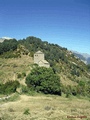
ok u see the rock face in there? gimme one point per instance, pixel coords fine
(39, 59)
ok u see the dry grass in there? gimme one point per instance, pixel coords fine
(11, 67)
(64, 80)
(43, 107)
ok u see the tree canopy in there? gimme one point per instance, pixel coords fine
(9, 87)
(8, 45)
(44, 80)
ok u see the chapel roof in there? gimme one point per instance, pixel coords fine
(39, 52)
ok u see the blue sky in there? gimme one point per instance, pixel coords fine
(63, 22)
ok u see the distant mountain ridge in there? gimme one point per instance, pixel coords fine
(1, 39)
(4, 38)
(83, 56)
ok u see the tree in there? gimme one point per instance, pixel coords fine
(44, 80)
(8, 45)
(9, 87)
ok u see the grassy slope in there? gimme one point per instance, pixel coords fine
(45, 107)
(41, 107)
(10, 68)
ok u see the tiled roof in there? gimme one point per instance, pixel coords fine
(39, 52)
(44, 61)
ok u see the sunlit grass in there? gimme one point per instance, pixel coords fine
(45, 107)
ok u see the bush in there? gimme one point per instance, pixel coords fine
(26, 112)
(44, 80)
(21, 75)
(27, 90)
(67, 95)
(9, 87)
(24, 89)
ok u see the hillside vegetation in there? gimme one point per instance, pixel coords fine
(16, 61)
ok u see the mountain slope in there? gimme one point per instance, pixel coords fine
(19, 61)
(83, 56)
(88, 60)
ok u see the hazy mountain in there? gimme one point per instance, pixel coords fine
(83, 56)
(86, 55)
(1, 39)
(4, 38)
(88, 60)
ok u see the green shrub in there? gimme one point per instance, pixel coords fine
(9, 87)
(19, 75)
(44, 80)
(23, 74)
(24, 89)
(67, 95)
(26, 112)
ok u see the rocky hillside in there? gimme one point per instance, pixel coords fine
(16, 61)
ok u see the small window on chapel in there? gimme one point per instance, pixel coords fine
(35, 55)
